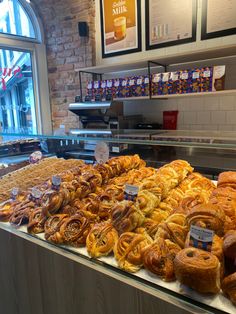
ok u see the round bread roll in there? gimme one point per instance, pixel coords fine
(229, 244)
(227, 178)
(198, 269)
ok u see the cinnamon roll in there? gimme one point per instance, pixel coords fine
(52, 228)
(229, 287)
(126, 217)
(128, 250)
(21, 213)
(198, 269)
(101, 239)
(36, 222)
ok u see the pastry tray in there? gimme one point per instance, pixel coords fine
(213, 302)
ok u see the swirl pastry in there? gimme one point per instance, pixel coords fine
(150, 226)
(174, 229)
(198, 269)
(52, 201)
(126, 217)
(21, 213)
(105, 171)
(147, 201)
(190, 201)
(91, 203)
(52, 228)
(105, 206)
(229, 287)
(6, 210)
(128, 250)
(101, 239)
(158, 258)
(227, 179)
(207, 216)
(229, 244)
(36, 222)
(158, 215)
(115, 191)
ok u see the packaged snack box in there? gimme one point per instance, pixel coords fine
(206, 79)
(103, 90)
(196, 80)
(146, 86)
(110, 90)
(218, 82)
(97, 90)
(185, 80)
(90, 93)
(156, 84)
(174, 83)
(124, 88)
(132, 83)
(165, 83)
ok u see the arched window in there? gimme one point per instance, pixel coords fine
(24, 96)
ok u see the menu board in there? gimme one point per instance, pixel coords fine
(218, 18)
(170, 22)
(121, 27)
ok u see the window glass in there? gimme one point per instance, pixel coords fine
(15, 20)
(17, 103)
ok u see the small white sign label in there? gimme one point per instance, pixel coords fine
(56, 182)
(131, 192)
(201, 238)
(196, 75)
(207, 74)
(184, 76)
(101, 152)
(35, 157)
(109, 83)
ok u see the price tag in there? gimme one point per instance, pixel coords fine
(109, 83)
(96, 84)
(184, 76)
(131, 82)
(35, 157)
(14, 193)
(124, 83)
(131, 192)
(101, 152)
(196, 75)
(56, 182)
(117, 83)
(201, 238)
(139, 81)
(174, 76)
(35, 195)
(156, 78)
(90, 85)
(146, 81)
(206, 73)
(165, 77)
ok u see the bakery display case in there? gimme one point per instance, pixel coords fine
(87, 212)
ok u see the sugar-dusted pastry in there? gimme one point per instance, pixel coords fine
(227, 179)
(36, 221)
(198, 269)
(229, 244)
(52, 228)
(101, 239)
(207, 216)
(174, 229)
(158, 258)
(126, 216)
(229, 287)
(128, 250)
(75, 229)
(147, 201)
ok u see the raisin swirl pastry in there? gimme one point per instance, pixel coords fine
(229, 287)
(158, 258)
(126, 217)
(207, 216)
(36, 222)
(52, 228)
(128, 250)
(198, 269)
(75, 229)
(101, 239)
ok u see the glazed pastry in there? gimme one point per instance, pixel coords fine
(6, 210)
(36, 221)
(147, 201)
(53, 200)
(198, 269)
(190, 201)
(229, 287)
(74, 230)
(174, 229)
(101, 239)
(128, 250)
(52, 228)
(158, 258)
(207, 216)
(106, 203)
(115, 191)
(91, 203)
(126, 217)
(229, 244)
(105, 171)
(68, 210)
(227, 179)
(150, 226)
(158, 215)
(21, 213)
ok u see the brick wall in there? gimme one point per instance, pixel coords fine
(66, 51)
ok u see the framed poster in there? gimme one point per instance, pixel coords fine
(170, 22)
(120, 26)
(218, 18)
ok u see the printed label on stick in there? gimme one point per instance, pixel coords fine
(201, 238)
(101, 152)
(56, 182)
(131, 192)
(35, 157)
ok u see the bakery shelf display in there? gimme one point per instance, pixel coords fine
(84, 209)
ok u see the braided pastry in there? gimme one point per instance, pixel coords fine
(52, 228)
(158, 258)
(126, 217)
(207, 216)
(36, 222)
(128, 250)
(21, 213)
(198, 269)
(229, 287)
(101, 239)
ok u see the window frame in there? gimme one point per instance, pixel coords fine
(37, 49)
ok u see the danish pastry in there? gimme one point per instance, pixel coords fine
(229, 287)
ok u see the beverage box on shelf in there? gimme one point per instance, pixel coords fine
(90, 94)
(174, 83)
(185, 80)
(165, 83)
(146, 86)
(156, 84)
(110, 90)
(139, 85)
(123, 91)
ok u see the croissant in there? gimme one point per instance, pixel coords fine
(229, 287)
(36, 222)
(52, 228)
(128, 250)
(126, 217)
(198, 269)
(207, 216)
(147, 201)
(101, 239)
(158, 258)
